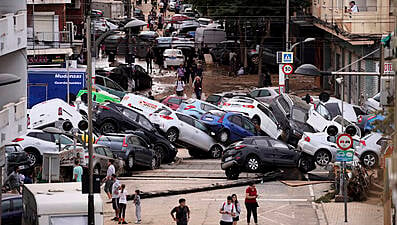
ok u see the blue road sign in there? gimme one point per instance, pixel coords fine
(287, 57)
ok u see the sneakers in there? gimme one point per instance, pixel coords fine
(124, 222)
(115, 219)
(138, 222)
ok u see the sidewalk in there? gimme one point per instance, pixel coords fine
(358, 213)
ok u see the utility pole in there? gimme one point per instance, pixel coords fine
(287, 41)
(91, 213)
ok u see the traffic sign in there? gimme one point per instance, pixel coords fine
(287, 69)
(287, 57)
(344, 156)
(344, 141)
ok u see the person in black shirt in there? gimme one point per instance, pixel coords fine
(182, 213)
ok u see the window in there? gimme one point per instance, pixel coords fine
(6, 206)
(323, 111)
(185, 119)
(45, 137)
(111, 84)
(200, 126)
(264, 93)
(100, 151)
(277, 144)
(163, 111)
(135, 141)
(299, 115)
(175, 101)
(64, 140)
(333, 109)
(108, 152)
(99, 81)
(268, 113)
(284, 104)
(248, 125)
(145, 123)
(255, 93)
(17, 204)
(213, 98)
(207, 107)
(262, 142)
(142, 142)
(130, 114)
(237, 120)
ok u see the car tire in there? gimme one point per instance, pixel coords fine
(172, 134)
(216, 151)
(322, 157)
(306, 164)
(256, 120)
(97, 170)
(108, 127)
(369, 160)
(130, 162)
(232, 173)
(253, 163)
(161, 152)
(223, 136)
(154, 163)
(34, 157)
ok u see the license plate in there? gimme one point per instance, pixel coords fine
(228, 158)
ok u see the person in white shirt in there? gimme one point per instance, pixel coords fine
(116, 197)
(179, 86)
(228, 211)
(353, 7)
(122, 204)
(108, 179)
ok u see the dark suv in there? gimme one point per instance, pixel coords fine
(115, 118)
(132, 149)
(16, 157)
(291, 112)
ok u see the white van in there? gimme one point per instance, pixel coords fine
(47, 113)
(58, 204)
(209, 37)
(142, 104)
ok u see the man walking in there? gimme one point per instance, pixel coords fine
(228, 211)
(116, 197)
(108, 179)
(197, 86)
(149, 59)
(77, 171)
(137, 202)
(179, 86)
(182, 213)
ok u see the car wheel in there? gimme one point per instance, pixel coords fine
(97, 170)
(172, 135)
(256, 120)
(216, 151)
(108, 127)
(322, 157)
(223, 136)
(232, 173)
(253, 164)
(306, 164)
(161, 152)
(369, 159)
(154, 164)
(33, 157)
(130, 161)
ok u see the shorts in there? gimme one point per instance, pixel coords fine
(225, 223)
(237, 218)
(115, 203)
(108, 186)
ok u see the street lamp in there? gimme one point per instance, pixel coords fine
(298, 43)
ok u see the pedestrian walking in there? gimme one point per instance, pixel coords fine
(179, 86)
(182, 213)
(197, 86)
(228, 211)
(180, 71)
(108, 179)
(187, 74)
(122, 204)
(13, 181)
(160, 22)
(237, 206)
(149, 59)
(251, 204)
(77, 171)
(137, 202)
(199, 71)
(116, 197)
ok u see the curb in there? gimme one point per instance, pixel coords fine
(216, 186)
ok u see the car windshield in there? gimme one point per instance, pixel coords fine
(299, 115)
(333, 109)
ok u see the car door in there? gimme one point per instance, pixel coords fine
(319, 117)
(265, 151)
(202, 138)
(186, 128)
(140, 157)
(269, 123)
(45, 142)
(147, 154)
(6, 210)
(236, 127)
(283, 155)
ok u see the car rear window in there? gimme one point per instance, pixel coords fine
(110, 139)
(213, 98)
(175, 100)
(217, 113)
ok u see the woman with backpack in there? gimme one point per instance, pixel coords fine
(236, 204)
(228, 211)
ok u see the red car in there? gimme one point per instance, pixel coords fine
(173, 101)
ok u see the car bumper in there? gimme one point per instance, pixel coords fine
(228, 164)
(175, 62)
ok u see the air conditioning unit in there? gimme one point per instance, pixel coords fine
(387, 90)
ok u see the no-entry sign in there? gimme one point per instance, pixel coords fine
(344, 142)
(287, 69)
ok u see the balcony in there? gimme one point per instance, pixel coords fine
(373, 18)
(12, 32)
(12, 121)
(39, 2)
(44, 40)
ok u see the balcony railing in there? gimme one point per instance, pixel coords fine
(12, 32)
(12, 121)
(49, 39)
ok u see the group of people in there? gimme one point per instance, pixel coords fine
(15, 180)
(193, 71)
(118, 194)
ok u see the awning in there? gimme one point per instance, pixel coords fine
(51, 51)
(351, 41)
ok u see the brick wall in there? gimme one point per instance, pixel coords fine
(59, 9)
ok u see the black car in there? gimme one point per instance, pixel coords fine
(259, 153)
(12, 209)
(117, 44)
(15, 156)
(114, 118)
(292, 113)
(133, 149)
(120, 76)
(220, 53)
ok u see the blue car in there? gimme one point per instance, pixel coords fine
(12, 209)
(196, 108)
(229, 127)
(366, 122)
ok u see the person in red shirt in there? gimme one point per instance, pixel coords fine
(250, 203)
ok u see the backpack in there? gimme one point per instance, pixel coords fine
(223, 207)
